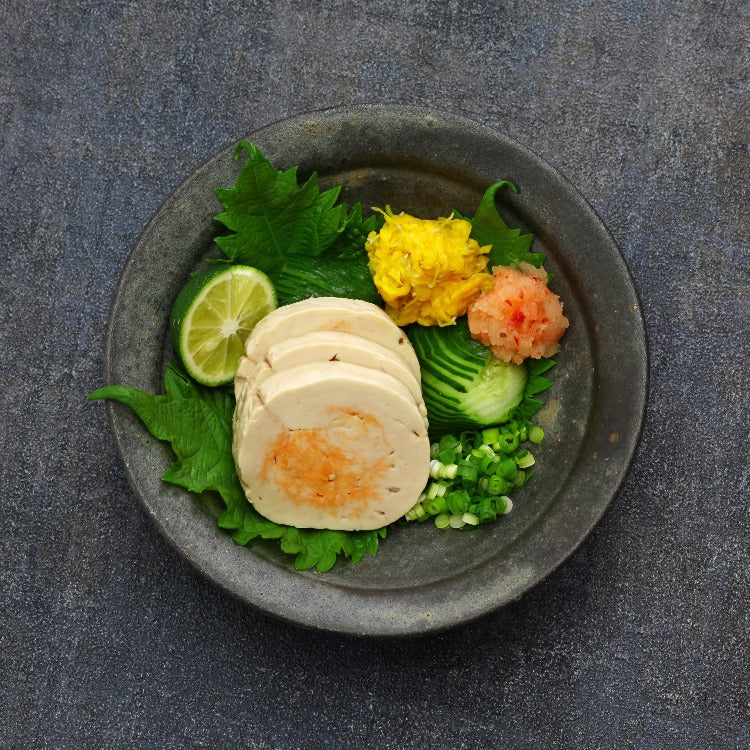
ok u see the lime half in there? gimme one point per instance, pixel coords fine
(213, 315)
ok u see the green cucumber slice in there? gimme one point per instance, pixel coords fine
(464, 385)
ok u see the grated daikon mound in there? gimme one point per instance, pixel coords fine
(520, 316)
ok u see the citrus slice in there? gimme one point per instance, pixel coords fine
(213, 315)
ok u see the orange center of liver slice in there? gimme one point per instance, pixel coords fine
(336, 468)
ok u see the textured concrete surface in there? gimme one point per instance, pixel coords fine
(107, 639)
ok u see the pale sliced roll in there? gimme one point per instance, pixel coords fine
(332, 445)
(326, 314)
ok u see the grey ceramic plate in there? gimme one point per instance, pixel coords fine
(422, 579)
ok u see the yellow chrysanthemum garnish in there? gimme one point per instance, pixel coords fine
(426, 270)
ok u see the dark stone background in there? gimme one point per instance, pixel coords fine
(109, 640)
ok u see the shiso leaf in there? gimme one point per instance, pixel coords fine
(509, 246)
(535, 383)
(307, 242)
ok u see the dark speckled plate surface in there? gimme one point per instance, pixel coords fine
(422, 579)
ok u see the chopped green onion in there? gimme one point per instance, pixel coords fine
(443, 521)
(496, 485)
(458, 501)
(439, 470)
(434, 490)
(469, 474)
(507, 468)
(525, 461)
(486, 510)
(449, 471)
(447, 455)
(472, 475)
(449, 442)
(491, 436)
(417, 513)
(469, 439)
(536, 434)
(435, 506)
(488, 465)
(508, 442)
(506, 506)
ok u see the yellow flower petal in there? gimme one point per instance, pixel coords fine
(427, 270)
